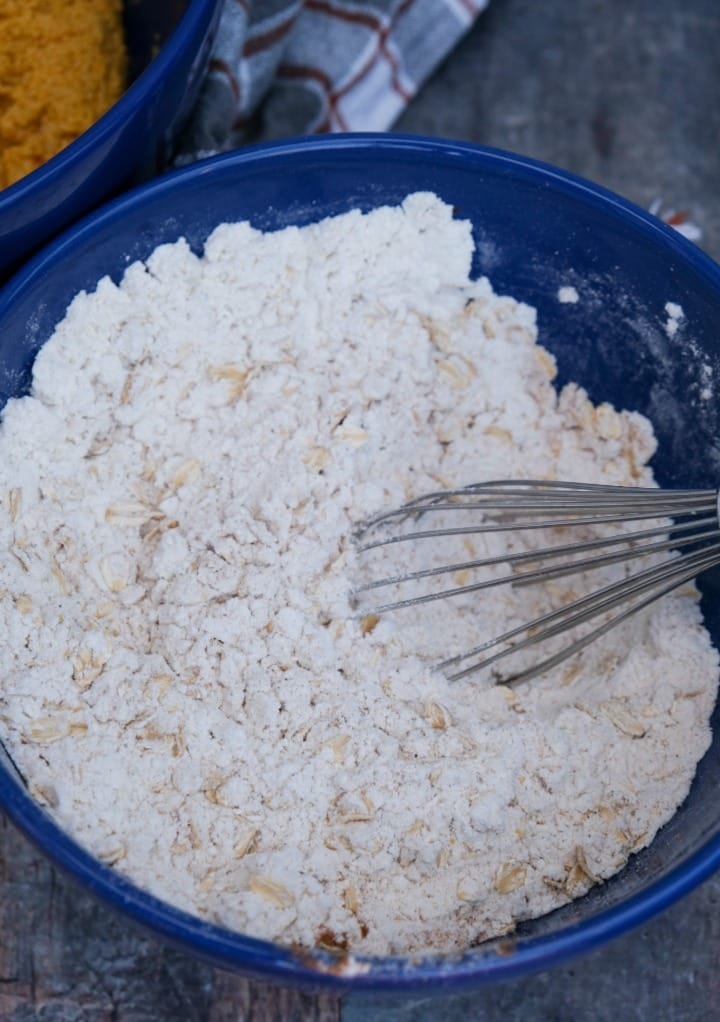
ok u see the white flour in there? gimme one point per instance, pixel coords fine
(182, 682)
(675, 316)
(568, 295)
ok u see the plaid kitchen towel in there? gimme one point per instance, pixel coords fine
(291, 67)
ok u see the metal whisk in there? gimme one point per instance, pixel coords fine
(691, 538)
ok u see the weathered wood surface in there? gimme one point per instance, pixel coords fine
(64, 957)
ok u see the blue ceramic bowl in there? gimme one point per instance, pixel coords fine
(131, 135)
(536, 228)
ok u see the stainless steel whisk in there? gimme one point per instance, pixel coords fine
(692, 538)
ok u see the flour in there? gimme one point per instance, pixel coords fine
(183, 683)
(568, 295)
(675, 316)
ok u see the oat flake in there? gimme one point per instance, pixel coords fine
(180, 666)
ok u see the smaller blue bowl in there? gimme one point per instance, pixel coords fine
(127, 137)
(536, 228)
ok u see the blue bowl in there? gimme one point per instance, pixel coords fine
(536, 229)
(133, 133)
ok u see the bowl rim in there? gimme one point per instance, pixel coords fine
(317, 970)
(125, 108)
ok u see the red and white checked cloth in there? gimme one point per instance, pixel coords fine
(290, 67)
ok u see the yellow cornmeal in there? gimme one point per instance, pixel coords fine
(62, 64)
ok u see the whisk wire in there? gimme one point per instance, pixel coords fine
(525, 556)
(674, 573)
(538, 504)
(532, 495)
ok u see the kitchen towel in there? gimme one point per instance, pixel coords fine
(293, 67)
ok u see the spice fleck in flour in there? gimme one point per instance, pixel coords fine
(183, 683)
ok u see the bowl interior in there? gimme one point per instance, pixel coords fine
(536, 229)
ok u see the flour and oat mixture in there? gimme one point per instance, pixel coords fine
(183, 683)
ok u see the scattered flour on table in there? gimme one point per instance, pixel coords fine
(183, 684)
